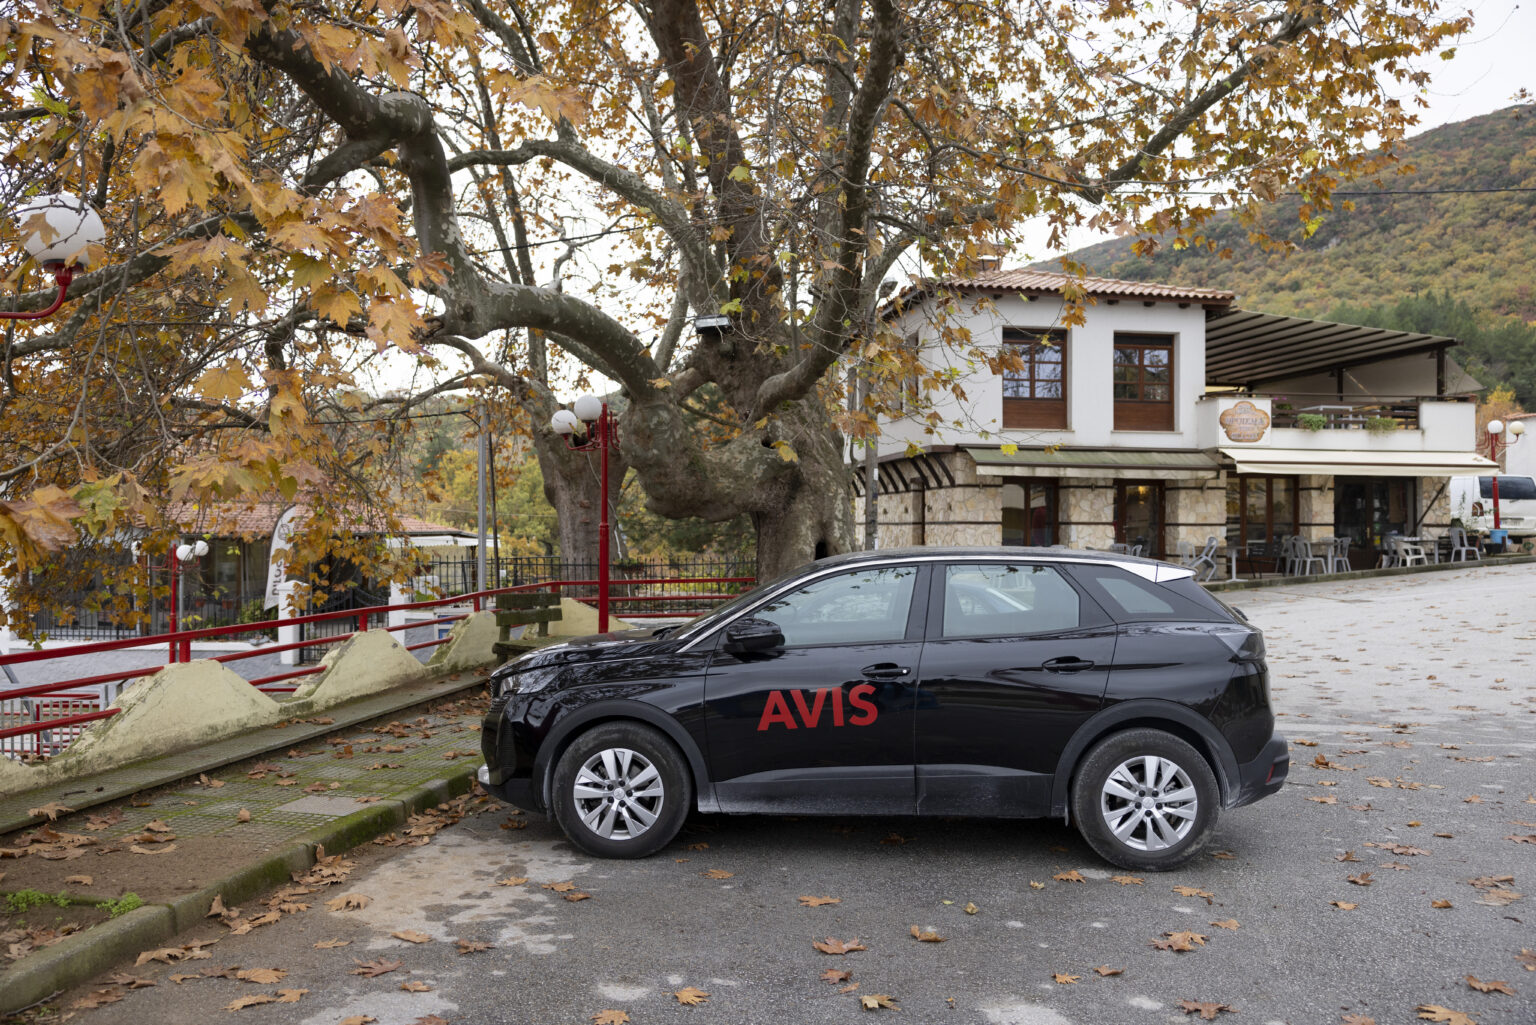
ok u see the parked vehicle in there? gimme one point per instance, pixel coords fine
(1472, 503)
(1112, 691)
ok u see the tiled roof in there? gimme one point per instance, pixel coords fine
(259, 518)
(1041, 282)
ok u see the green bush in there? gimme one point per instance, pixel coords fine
(1311, 421)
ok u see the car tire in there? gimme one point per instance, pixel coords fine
(1120, 798)
(621, 790)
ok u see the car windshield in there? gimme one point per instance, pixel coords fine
(698, 624)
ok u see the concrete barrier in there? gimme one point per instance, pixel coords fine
(364, 663)
(191, 704)
(469, 644)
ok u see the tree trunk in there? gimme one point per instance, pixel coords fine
(573, 486)
(809, 514)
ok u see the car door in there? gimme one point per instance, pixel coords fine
(1017, 658)
(823, 723)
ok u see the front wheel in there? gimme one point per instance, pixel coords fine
(1145, 800)
(621, 790)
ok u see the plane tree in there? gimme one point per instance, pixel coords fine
(291, 188)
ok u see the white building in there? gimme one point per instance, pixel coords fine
(1168, 415)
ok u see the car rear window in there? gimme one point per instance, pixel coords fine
(1130, 598)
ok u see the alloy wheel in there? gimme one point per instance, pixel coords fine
(1149, 803)
(618, 794)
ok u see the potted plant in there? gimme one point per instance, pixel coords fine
(1311, 421)
(1380, 424)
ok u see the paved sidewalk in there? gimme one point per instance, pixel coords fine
(168, 836)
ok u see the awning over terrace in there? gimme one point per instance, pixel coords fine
(1246, 348)
(1294, 461)
(1099, 463)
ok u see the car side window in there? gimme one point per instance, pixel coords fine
(990, 600)
(863, 606)
(1130, 598)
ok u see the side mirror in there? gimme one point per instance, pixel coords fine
(751, 635)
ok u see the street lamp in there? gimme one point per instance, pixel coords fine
(1495, 429)
(177, 558)
(70, 228)
(602, 433)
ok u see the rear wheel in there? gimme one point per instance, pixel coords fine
(1145, 799)
(621, 790)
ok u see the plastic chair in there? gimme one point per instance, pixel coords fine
(1204, 564)
(1338, 556)
(1461, 550)
(1305, 560)
(1409, 554)
(1388, 552)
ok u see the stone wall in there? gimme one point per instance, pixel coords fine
(1196, 510)
(1314, 507)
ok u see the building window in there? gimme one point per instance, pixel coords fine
(1029, 513)
(1139, 517)
(1143, 378)
(1261, 514)
(1035, 395)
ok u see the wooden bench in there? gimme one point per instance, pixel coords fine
(533, 608)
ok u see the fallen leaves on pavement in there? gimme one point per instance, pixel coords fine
(1226, 923)
(875, 1001)
(471, 946)
(1063, 979)
(816, 902)
(512, 881)
(348, 902)
(831, 945)
(1207, 1011)
(240, 1003)
(1074, 876)
(411, 936)
(610, 1017)
(51, 811)
(1179, 942)
(835, 976)
(373, 969)
(262, 976)
(332, 944)
(416, 987)
(1490, 986)
(716, 873)
(1127, 880)
(926, 935)
(1434, 1012)
(1106, 971)
(689, 996)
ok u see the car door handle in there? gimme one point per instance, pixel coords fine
(1066, 664)
(885, 671)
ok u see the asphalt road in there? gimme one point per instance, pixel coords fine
(1417, 692)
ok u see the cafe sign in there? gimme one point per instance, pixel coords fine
(1244, 422)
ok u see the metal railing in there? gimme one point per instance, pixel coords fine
(1351, 413)
(38, 721)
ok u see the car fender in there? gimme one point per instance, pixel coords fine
(1143, 712)
(578, 719)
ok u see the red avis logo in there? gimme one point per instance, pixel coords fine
(776, 710)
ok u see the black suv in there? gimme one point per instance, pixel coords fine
(1003, 682)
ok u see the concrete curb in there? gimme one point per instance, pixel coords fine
(1367, 574)
(79, 958)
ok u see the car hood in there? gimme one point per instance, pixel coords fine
(614, 645)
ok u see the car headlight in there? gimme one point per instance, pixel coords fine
(528, 682)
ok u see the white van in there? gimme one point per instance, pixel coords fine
(1472, 503)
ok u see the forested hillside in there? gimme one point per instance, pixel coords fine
(1474, 251)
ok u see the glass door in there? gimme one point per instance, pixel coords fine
(1139, 516)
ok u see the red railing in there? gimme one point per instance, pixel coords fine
(51, 715)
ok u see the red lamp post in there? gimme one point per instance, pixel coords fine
(177, 558)
(602, 433)
(1495, 429)
(72, 227)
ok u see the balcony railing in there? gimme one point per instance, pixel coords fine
(1330, 413)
